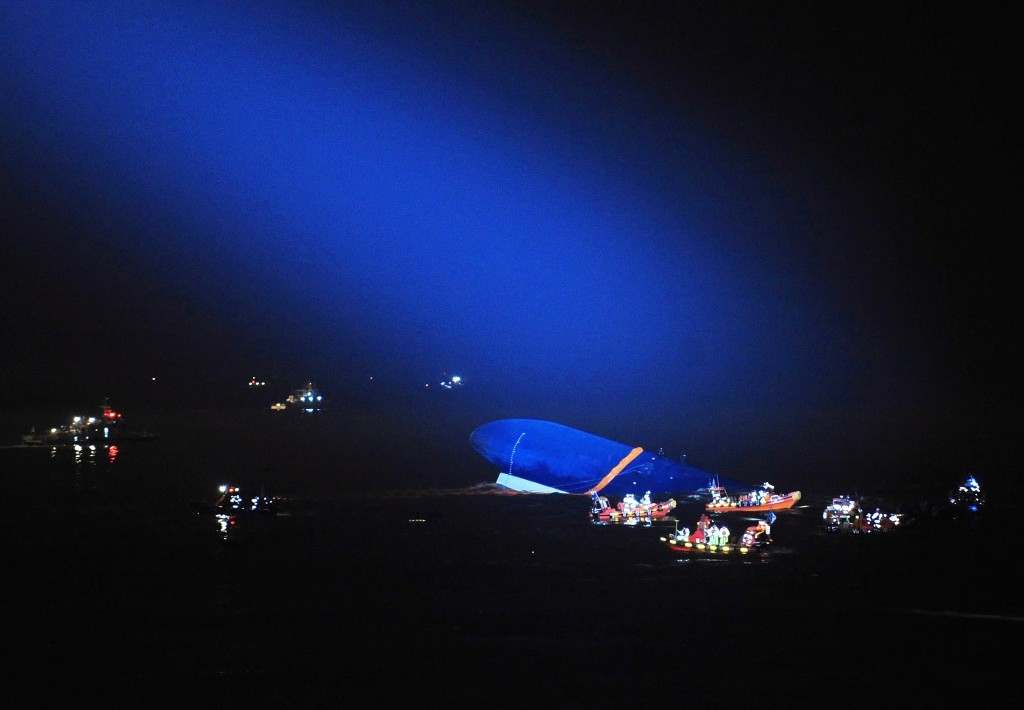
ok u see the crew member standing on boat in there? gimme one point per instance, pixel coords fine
(700, 534)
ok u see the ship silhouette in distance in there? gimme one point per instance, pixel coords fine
(105, 426)
(539, 456)
(306, 399)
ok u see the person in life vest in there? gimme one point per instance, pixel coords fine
(723, 535)
(756, 533)
(700, 534)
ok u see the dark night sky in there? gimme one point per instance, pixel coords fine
(775, 235)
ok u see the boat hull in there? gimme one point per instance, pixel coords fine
(783, 502)
(701, 549)
(655, 511)
(534, 455)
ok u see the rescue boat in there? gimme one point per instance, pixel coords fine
(758, 501)
(629, 508)
(707, 539)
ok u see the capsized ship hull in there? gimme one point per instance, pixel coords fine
(538, 456)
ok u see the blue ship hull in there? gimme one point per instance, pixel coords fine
(534, 455)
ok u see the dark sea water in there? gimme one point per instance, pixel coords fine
(394, 574)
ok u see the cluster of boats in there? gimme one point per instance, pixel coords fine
(708, 537)
(305, 399)
(107, 425)
(762, 500)
(711, 535)
(233, 502)
(844, 514)
(233, 506)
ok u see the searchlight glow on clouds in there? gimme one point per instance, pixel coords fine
(447, 182)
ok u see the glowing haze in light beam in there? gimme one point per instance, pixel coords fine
(432, 184)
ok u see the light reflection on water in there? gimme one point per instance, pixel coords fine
(84, 454)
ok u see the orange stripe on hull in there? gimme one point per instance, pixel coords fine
(618, 469)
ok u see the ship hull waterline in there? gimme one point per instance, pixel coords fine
(539, 456)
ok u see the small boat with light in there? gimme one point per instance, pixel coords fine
(105, 427)
(711, 540)
(305, 399)
(968, 496)
(880, 522)
(843, 514)
(629, 508)
(233, 502)
(758, 501)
